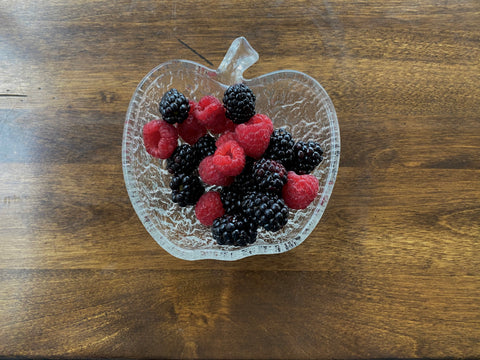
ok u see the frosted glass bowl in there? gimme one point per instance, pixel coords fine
(292, 100)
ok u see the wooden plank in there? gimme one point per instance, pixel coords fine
(69, 210)
(222, 313)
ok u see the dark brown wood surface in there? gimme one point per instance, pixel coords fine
(392, 269)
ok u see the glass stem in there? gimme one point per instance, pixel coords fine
(239, 57)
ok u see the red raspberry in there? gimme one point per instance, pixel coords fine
(229, 158)
(190, 130)
(226, 136)
(300, 190)
(160, 138)
(211, 114)
(254, 135)
(210, 175)
(209, 207)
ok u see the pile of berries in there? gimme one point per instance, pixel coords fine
(255, 173)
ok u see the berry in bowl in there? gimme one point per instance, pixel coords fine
(222, 167)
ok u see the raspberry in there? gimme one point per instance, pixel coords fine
(269, 175)
(254, 135)
(183, 160)
(210, 175)
(229, 158)
(191, 130)
(160, 138)
(267, 210)
(280, 147)
(205, 146)
(306, 157)
(186, 189)
(226, 136)
(239, 102)
(234, 230)
(211, 114)
(209, 207)
(300, 190)
(174, 107)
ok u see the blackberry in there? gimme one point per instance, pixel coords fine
(245, 182)
(267, 210)
(205, 146)
(174, 107)
(280, 147)
(234, 230)
(231, 200)
(232, 195)
(186, 189)
(269, 175)
(306, 157)
(239, 103)
(183, 160)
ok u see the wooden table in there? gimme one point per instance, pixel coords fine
(392, 269)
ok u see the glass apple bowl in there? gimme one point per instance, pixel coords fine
(291, 99)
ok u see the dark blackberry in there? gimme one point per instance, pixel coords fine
(280, 147)
(269, 175)
(234, 230)
(183, 160)
(205, 146)
(306, 157)
(174, 107)
(232, 195)
(239, 103)
(186, 189)
(231, 200)
(267, 210)
(245, 182)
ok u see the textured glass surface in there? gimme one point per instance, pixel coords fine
(290, 98)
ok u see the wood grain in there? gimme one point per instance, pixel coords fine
(391, 270)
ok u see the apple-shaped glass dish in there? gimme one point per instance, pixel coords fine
(292, 99)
